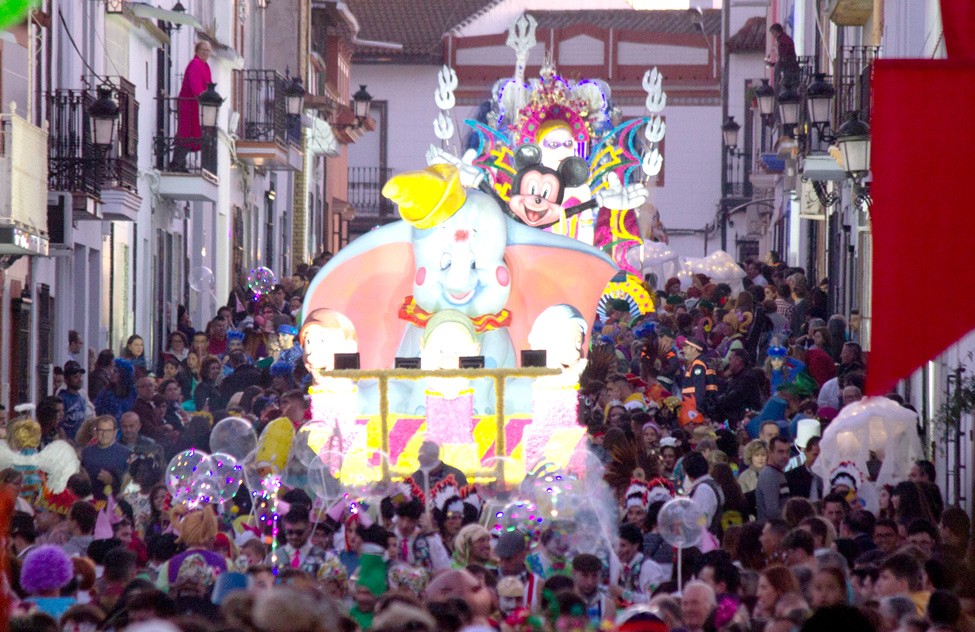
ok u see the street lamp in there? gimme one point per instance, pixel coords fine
(104, 117)
(790, 106)
(294, 96)
(210, 102)
(729, 132)
(361, 101)
(819, 100)
(853, 142)
(765, 95)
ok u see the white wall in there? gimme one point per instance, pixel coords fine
(409, 91)
(692, 164)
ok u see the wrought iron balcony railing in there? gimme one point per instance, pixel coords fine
(365, 186)
(853, 67)
(175, 153)
(75, 164)
(264, 115)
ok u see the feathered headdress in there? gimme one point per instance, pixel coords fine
(637, 494)
(473, 502)
(660, 489)
(446, 500)
(846, 473)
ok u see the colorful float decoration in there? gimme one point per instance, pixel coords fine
(477, 268)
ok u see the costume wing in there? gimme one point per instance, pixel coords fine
(494, 157)
(547, 269)
(620, 152)
(9, 458)
(367, 281)
(59, 461)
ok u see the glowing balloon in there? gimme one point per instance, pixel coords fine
(204, 488)
(201, 279)
(229, 473)
(182, 470)
(681, 523)
(261, 281)
(233, 436)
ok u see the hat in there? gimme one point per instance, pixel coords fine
(426, 198)
(510, 587)
(288, 330)
(846, 473)
(227, 584)
(669, 442)
(510, 544)
(805, 430)
(236, 336)
(694, 342)
(71, 368)
(674, 299)
(372, 574)
(45, 568)
(640, 618)
(777, 352)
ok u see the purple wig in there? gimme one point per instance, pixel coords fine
(45, 568)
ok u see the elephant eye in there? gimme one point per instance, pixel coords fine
(445, 261)
(473, 265)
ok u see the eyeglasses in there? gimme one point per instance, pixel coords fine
(552, 144)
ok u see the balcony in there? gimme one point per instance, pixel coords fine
(371, 208)
(101, 183)
(853, 67)
(268, 137)
(196, 178)
(23, 187)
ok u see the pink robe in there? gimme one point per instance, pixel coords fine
(195, 82)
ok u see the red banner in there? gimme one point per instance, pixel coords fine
(922, 216)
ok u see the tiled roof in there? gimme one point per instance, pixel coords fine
(750, 38)
(419, 25)
(674, 22)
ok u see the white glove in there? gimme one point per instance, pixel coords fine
(620, 197)
(470, 176)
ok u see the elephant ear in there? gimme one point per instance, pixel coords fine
(548, 269)
(368, 281)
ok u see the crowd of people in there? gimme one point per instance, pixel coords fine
(719, 397)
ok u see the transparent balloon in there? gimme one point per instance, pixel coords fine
(255, 472)
(182, 469)
(229, 473)
(204, 488)
(681, 523)
(233, 436)
(261, 280)
(520, 514)
(201, 279)
(324, 476)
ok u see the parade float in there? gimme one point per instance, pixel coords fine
(465, 323)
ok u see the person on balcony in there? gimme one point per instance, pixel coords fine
(195, 81)
(787, 73)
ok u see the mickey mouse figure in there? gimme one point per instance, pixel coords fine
(538, 190)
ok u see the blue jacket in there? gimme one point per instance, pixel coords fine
(107, 402)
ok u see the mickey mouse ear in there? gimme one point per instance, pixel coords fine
(574, 171)
(527, 155)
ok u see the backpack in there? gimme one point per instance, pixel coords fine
(715, 524)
